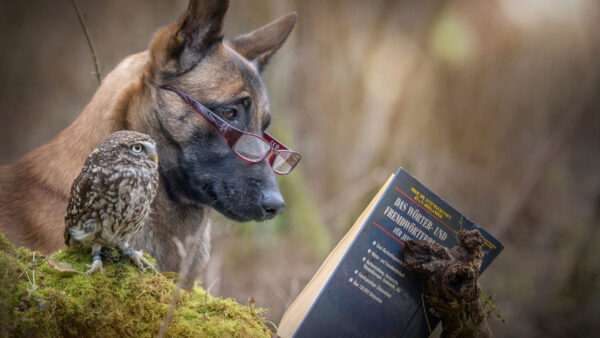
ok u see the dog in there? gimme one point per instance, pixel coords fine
(198, 170)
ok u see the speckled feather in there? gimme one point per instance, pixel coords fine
(110, 199)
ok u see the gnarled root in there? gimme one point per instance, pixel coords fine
(449, 282)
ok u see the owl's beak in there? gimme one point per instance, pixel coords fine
(151, 151)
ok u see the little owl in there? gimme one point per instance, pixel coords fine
(111, 197)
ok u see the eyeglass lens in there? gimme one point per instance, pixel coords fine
(285, 161)
(251, 147)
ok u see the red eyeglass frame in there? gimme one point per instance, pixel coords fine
(231, 134)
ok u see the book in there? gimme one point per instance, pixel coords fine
(363, 289)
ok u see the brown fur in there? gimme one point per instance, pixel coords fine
(187, 54)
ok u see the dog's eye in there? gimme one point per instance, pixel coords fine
(229, 113)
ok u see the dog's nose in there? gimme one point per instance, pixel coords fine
(272, 203)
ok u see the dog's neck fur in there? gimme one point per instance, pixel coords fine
(64, 156)
(111, 109)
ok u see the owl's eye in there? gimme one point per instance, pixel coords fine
(229, 113)
(137, 148)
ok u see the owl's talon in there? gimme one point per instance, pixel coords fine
(138, 258)
(95, 266)
(151, 267)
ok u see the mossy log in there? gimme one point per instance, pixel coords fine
(449, 281)
(52, 296)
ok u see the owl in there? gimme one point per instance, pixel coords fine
(110, 199)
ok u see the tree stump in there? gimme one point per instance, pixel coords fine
(449, 281)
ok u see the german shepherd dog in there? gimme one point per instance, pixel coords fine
(198, 170)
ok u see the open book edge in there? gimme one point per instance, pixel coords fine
(300, 307)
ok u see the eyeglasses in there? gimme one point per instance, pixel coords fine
(247, 146)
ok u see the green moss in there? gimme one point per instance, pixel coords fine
(122, 302)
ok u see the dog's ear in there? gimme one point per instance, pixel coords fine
(181, 45)
(260, 44)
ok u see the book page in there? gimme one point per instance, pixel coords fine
(301, 305)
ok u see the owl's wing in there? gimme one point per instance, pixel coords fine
(80, 203)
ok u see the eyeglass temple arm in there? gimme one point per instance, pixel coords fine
(221, 126)
(275, 144)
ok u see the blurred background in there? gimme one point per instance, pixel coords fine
(495, 105)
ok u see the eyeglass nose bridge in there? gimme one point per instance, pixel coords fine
(272, 155)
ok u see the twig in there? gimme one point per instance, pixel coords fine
(89, 41)
(19, 277)
(193, 246)
(208, 289)
(175, 296)
(29, 279)
(2, 320)
(33, 268)
(3, 298)
(212, 284)
(425, 312)
(167, 319)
